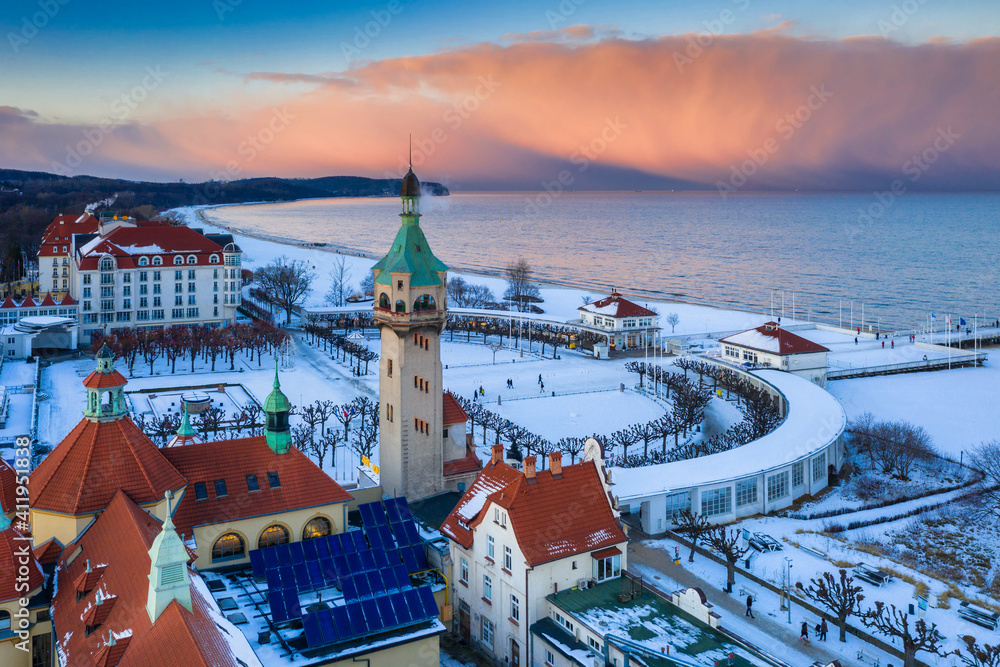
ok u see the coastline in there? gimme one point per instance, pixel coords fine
(577, 289)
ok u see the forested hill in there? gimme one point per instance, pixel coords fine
(30, 199)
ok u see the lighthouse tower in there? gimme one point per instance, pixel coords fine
(410, 311)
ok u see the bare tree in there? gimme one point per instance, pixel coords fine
(344, 414)
(895, 623)
(494, 348)
(368, 284)
(673, 319)
(694, 526)
(841, 598)
(520, 288)
(729, 544)
(572, 446)
(979, 656)
(366, 437)
(303, 437)
(322, 445)
(325, 410)
(340, 277)
(286, 282)
(986, 459)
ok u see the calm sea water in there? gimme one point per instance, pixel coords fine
(921, 253)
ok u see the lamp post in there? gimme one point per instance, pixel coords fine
(788, 586)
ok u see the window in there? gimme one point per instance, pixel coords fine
(499, 517)
(318, 527)
(86, 279)
(157, 261)
(273, 536)
(400, 306)
(191, 287)
(192, 259)
(178, 301)
(777, 486)
(594, 644)
(86, 293)
(490, 547)
(464, 571)
(228, 547)
(252, 484)
(487, 588)
(190, 274)
(746, 492)
(126, 277)
(677, 502)
(143, 289)
(156, 275)
(200, 491)
(273, 481)
(192, 299)
(107, 264)
(508, 559)
(157, 289)
(515, 608)
(178, 260)
(487, 634)
(220, 488)
(607, 568)
(565, 622)
(389, 373)
(716, 501)
(178, 275)
(798, 473)
(214, 259)
(143, 261)
(550, 659)
(157, 302)
(4, 620)
(819, 467)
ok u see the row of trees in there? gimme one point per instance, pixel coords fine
(340, 346)
(312, 437)
(192, 343)
(499, 327)
(892, 447)
(211, 424)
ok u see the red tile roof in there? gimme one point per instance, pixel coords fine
(62, 228)
(8, 488)
(67, 301)
(303, 484)
(120, 540)
(453, 412)
(8, 303)
(468, 464)
(128, 244)
(552, 518)
(771, 338)
(98, 380)
(48, 300)
(616, 306)
(12, 545)
(48, 553)
(94, 461)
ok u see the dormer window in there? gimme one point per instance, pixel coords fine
(399, 284)
(178, 260)
(192, 259)
(214, 259)
(157, 261)
(143, 261)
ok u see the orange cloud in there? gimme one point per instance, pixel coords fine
(811, 114)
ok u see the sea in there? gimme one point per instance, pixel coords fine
(898, 257)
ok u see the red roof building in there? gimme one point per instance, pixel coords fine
(772, 339)
(8, 488)
(616, 306)
(770, 346)
(106, 622)
(130, 244)
(12, 544)
(453, 412)
(624, 324)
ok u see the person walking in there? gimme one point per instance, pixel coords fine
(541, 388)
(892, 345)
(883, 345)
(482, 392)
(749, 605)
(539, 378)
(804, 635)
(855, 340)
(823, 628)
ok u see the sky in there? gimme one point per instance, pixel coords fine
(589, 94)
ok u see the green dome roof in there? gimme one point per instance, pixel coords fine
(276, 400)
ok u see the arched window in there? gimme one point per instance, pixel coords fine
(400, 306)
(273, 536)
(178, 260)
(424, 302)
(4, 620)
(157, 261)
(318, 527)
(143, 261)
(214, 259)
(107, 264)
(228, 547)
(383, 301)
(192, 259)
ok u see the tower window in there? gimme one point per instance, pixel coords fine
(389, 373)
(399, 284)
(400, 306)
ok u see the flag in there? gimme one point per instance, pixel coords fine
(933, 316)
(961, 321)
(948, 319)
(346, 413)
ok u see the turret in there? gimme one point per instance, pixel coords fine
(105, 389)
(168, 574)
(277, 408)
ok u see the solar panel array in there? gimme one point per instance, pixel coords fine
(370, 566)
(366, 617)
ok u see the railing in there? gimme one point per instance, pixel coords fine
(908, 366)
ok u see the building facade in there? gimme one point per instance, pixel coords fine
(770, 346)
(517, 536)
(625, 324)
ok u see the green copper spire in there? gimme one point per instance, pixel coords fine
(4, 522)
(276, 407)
(186, 430)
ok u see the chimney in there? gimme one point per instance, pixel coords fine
(555, 464)
(497, 455)
(529, 469)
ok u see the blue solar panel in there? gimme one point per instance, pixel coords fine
(397, 509)
(427, 601)
(327, 628)
(354, 563)
(336, 544)
(270, 559)
(382, 561)
(257, 561)
(313, 635)
(414, 603)
(350, 588)
(399, 533)
(301, 576)
(281, 552)
(412, 534)
(295, 550)
(403, 613)
(342, 622)
(278, 613)
(315, 574)
(341, 566)
(362, 585)
(419, 555)
(386, 612)
(386, 536)
(273, 579)
(372, 615)
(357, 618)
(376, 583)
(367, 561)
(329, 573)
(292, 604)
(401, 578)
(359, 540)
(409, 560)
(322, 548)
(367, 515)
(309, 549)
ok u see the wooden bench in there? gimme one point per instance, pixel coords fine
(864, 655)
(872, 575)
(814, 552)
(744, 591)
(978, 615)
